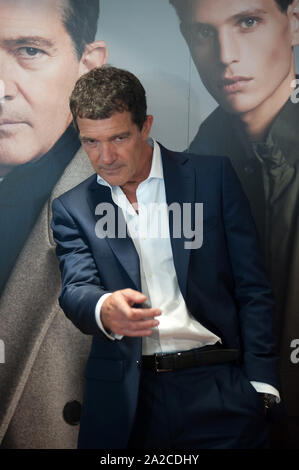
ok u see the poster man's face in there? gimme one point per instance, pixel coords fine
(39, 68)
(242, 50)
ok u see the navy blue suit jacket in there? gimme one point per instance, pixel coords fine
(223, 283)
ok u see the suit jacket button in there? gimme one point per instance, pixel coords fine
(72, 413)
(138, 364)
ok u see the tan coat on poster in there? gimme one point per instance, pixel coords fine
(44, 353)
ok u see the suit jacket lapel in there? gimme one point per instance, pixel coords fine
(180, 185)
(123, 248)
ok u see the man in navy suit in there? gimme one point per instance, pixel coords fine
(160, 264)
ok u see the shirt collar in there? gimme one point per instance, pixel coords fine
(156, 168)
(281, 142)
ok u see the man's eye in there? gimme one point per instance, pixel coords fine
(28, 52)
(248, 23)
(205, 32)
(90, 142)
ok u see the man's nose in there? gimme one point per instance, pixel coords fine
(107, 155)
(228, 48)
(8, 88)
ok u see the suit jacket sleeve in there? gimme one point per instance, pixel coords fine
(252, 291)
(81, 285)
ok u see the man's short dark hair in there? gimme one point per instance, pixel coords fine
(80, 18)
(105, 91)
(284, 4)
(182, 5)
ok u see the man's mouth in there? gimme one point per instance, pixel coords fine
(10, 126)
(111, 170)
(10, 122)
(233, 84)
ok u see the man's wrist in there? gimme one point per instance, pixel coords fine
(263, 388)
(98, 316)
(110, 334)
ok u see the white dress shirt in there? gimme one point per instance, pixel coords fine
(177, 329)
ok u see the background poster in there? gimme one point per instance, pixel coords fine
(43, 356)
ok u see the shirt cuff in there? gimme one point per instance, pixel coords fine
(261, 387)
(110, 335)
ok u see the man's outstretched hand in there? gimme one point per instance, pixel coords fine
(118, 315)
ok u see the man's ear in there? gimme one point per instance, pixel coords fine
(95, 55)
(146, 129)
(293, 13)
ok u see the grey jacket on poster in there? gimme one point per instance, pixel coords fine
(44, 353)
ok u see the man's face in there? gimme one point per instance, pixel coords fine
(39, 68)
(117, 148)
(242, 50)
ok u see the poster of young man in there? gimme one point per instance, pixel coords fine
(244, 54)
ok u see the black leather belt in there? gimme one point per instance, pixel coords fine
(206, 355)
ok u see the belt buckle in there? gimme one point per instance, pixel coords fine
(157, 365)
